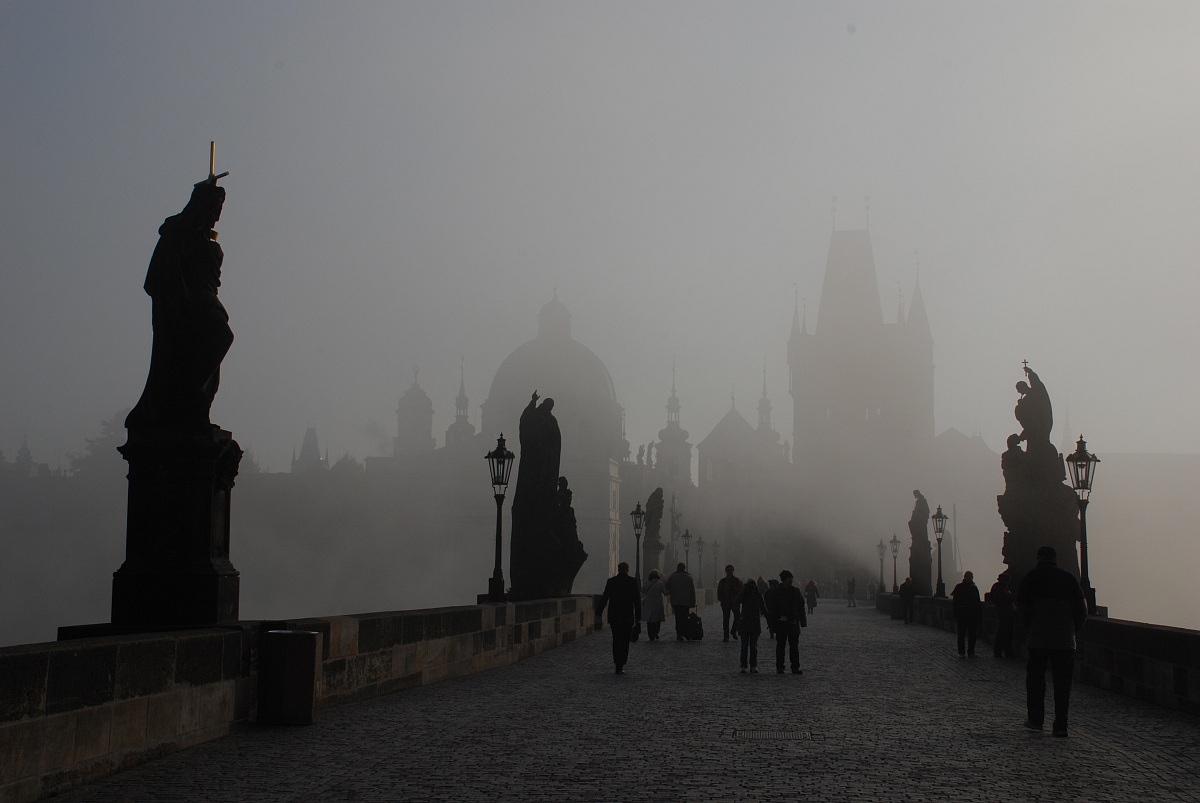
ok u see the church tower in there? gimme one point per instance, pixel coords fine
(862, 392)
(674, 454)
(461, 430)
(414, 423)
(309, 460)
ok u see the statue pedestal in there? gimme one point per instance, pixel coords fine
(177, 571)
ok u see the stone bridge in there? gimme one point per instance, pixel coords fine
(883, 712)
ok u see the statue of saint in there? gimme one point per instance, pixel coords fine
(541, 447)
(191, 327)
(918, 522)
(546, 550)
(1033, 410)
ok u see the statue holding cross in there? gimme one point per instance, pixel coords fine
(182, 467)
(191, 326)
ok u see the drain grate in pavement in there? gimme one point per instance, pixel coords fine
(771, 735)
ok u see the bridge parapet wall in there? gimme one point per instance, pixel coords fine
(76, 710)
(1153, 663)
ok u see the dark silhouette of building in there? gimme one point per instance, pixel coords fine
(862, 392)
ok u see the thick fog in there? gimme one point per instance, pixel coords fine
(410, 183)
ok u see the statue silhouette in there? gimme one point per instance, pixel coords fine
(191, 327)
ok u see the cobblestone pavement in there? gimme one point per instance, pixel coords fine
(883, 712)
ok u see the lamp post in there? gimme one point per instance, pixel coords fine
(500, 462)
(639, 519)
(939, 530)
(716, 561)
(687, 542)
(895, 542)
(882, 551)
(1083, 471)
(700, 561)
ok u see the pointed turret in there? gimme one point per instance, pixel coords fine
(674, 453)
(462, 430)
(918, 319)
(414, 423)
(309, 461)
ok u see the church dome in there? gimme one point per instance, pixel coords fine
(560, 368)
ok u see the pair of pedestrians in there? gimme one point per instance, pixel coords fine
(783, 608)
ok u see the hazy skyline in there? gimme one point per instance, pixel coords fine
(411, 183)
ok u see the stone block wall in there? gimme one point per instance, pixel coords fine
(1153, 663)
(1150, 662)
(74, 711)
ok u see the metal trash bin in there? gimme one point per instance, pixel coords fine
(289, 666)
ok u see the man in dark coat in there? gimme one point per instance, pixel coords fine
(624, 602)
(1053, 609)
(728, 590)
(968, 611)
(786, 606)
(1001, 596)
(908, 594)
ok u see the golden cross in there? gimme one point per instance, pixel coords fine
(212, 163)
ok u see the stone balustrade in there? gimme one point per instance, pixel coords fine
(1153, 663)
(75, 710)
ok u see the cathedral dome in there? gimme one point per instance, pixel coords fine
(560, 368)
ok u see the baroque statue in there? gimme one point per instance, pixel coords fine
(191, 327)
(920, 558)
(546, 552)
(1037, 506)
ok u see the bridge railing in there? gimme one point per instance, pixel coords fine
(1153, 663)
(76, 710)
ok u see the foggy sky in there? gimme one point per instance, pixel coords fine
(411, 182)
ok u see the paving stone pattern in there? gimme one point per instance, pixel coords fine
(883, 712)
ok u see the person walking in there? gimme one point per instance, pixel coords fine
(908, 595)
(811, 594)
(851, 602)
(682, 590)
(1053, 610)
(728, 589)
(653, 608)
(752, 608)
(1001, 595)
(968, 611)
(622, 593)
(786, 606)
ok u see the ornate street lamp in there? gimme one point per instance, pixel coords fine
(700, 561)
(687, 542)
(1083, 471)
(639, 519)
(882, 551)
(500, 462)
(939, 530)
(895, 542)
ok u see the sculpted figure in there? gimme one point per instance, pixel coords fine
(1037, 507)
(191, 327)
(541, 446)
(546, 550)
(918, 523)
(1033, 410)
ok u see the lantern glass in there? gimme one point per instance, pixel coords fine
(639, 518)
(895, 542)
(882, 549)
(939, 523)
(1083, 469)
(500, 463)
